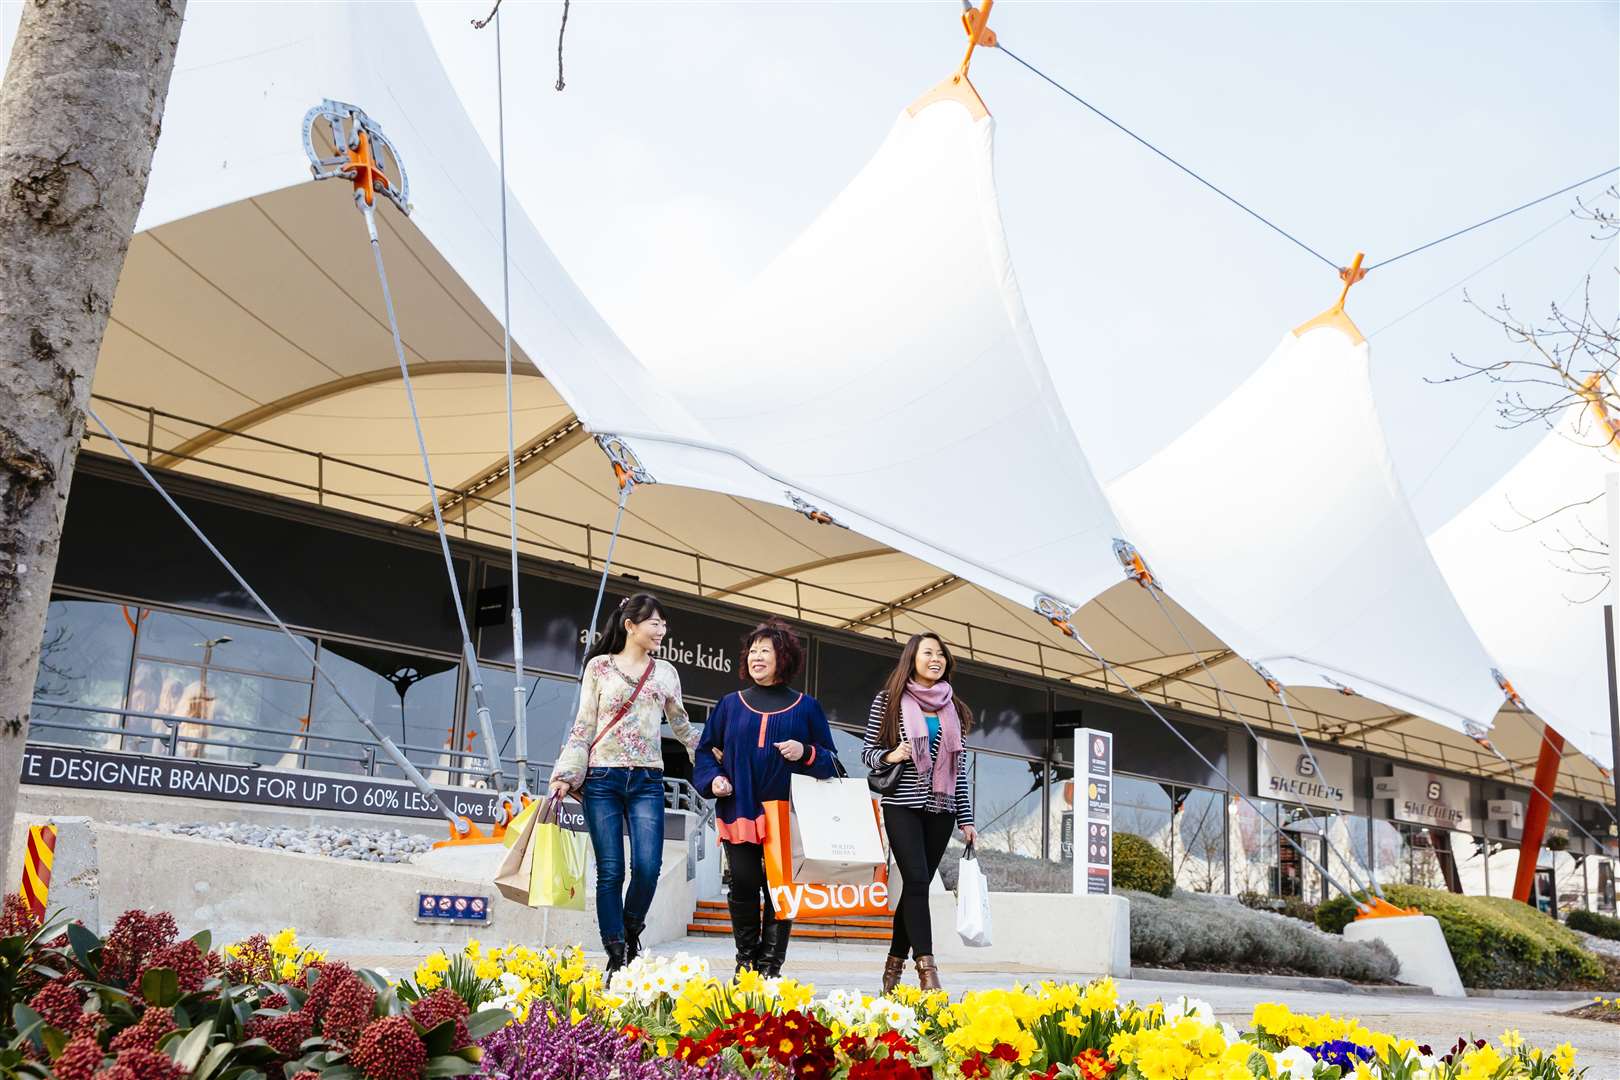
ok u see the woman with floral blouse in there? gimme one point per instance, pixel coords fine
(612, 759)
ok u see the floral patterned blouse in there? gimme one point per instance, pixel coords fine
(635, 741)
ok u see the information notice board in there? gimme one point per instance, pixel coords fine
(1094, 811)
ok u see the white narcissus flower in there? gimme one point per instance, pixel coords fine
(1196, 1008)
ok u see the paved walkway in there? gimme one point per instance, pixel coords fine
(1437, 1021)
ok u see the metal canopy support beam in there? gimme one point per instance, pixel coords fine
(789, 572)
(933, 590)
(1180, 673)
(309, 395)
(490, 481)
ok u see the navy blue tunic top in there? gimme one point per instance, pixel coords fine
(746, 741)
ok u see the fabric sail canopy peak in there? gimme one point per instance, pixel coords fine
(1308, 561)
(1524, 560)
(885, 360)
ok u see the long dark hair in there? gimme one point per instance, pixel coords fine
(638, 608)
(904, 671)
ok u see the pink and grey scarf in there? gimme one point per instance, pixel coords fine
(916, 704)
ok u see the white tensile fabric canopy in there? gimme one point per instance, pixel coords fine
(1526, 561)
(1278, 520)
(883, 368)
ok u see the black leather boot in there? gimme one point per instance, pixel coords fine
(632, 939)
(745, 931)
(615, 956)
(773, 947)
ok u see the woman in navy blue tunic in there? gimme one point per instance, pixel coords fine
(754, 742)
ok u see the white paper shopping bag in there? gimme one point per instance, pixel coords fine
(835, 831)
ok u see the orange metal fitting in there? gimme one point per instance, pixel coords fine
(368, 178)
(1376, 907)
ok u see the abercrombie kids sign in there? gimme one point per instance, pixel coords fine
(703, 648)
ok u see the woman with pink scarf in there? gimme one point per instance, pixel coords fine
(918, 723)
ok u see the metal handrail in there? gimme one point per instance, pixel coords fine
(1410, 746)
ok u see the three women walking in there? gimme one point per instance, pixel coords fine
(918, 723)
(756, 739)
(613, 760)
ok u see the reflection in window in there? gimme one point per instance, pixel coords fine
(549, 711)
(846, 682)
(411, 699)
(1199, 858)
(1502, 865)
(1569, 873)
(848, 744)
(1143, 807)
(83, 660)
(242, 693)
(1007, 802)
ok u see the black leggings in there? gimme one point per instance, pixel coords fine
(917, 839)
(748, 885)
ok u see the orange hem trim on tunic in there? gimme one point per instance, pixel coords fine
(743, 830)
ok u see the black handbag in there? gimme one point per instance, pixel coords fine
(885, 780)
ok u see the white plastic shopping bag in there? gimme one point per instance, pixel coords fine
(972, 901)
(835, 831)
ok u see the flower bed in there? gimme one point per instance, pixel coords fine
(671, 1017)
(145, 1004)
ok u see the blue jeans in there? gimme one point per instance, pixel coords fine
(613, 798)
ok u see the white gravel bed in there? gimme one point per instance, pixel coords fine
(358, 845)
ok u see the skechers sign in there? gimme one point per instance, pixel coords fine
(1432, 799)
(1320, 778)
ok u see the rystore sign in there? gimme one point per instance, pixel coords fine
(1429, 798)
(1318, 778)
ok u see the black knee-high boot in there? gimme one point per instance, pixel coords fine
(745, 930)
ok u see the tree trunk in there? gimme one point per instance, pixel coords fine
(80, 110)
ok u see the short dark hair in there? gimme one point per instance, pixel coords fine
(789, 649)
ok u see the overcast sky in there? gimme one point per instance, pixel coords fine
(694, 141)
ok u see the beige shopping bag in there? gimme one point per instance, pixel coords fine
(512, 878)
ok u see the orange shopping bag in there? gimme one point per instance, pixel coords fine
(810, 901)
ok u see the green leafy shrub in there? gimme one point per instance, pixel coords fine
(1198, 930)
(1494, 941)
(1590, 922)
(1141, 866)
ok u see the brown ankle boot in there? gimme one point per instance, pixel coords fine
(894, 967)
(928, 973)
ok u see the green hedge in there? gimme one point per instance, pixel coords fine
(1141, 866)
(1591, 922)
(1495, 941)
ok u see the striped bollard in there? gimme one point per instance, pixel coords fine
(36, 876)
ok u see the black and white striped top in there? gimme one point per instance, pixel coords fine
(914, 790)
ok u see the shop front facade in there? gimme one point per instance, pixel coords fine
(152, 651)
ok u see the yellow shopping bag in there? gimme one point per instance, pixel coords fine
(557, 863)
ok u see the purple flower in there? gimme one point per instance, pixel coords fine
(548, 1047)
(1340, 1052)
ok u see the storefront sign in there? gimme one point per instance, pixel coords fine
(1429, 798)
(186, 778)
(1510, 810)
(1287, 773)
(1386, 787)
(1094, 761)
(703, 648)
